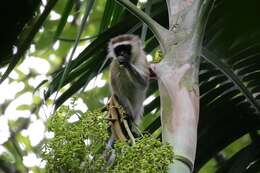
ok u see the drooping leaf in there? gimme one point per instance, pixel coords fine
(242, 159)
(27, 42)
(88, 9)
(63, 20)
(106, 19)
(210, 57)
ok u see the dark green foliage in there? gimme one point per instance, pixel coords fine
(229, 73)
(13, 16)
(79, 147)
(230, 62)
(25, 44)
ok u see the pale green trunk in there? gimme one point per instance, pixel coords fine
(178, 81)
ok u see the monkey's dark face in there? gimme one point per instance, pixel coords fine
(123, 53)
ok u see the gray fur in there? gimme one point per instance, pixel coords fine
(129, 83)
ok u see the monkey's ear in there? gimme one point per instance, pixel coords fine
(110, 55)
(110, 51)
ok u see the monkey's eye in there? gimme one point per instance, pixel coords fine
(123, 50)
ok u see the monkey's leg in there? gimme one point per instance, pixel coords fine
(127, 106)
(109, 156)
(130, 116)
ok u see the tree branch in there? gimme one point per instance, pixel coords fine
(163, 35)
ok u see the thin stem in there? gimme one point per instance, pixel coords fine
(80, 40)
(67, 68)
(132, 138)
(148, 6)
(204, 16)
(169, 12)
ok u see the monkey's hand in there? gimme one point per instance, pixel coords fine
(123, 60)
(136, 75)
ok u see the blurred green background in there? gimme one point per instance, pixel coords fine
(38, 37)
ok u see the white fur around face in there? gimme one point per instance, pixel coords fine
(135, 43)
(122, 43)
(113, 46)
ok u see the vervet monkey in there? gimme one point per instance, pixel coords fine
(129, 74)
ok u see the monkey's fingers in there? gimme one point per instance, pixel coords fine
(104, 109)
(123, 60)
(130, 134)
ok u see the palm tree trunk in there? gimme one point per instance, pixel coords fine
(178, 81)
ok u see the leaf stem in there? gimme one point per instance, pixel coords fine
(159, 31)
(213, 59)
(89, 5)
(132, 138)
(29, 38)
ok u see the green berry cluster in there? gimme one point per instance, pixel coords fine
(148, 155)
(80, 146)
(157, 56)
(77, 146)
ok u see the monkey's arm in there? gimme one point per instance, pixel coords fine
(135, 74)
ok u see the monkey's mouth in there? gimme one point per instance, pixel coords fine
(123, 53)
(123, 59)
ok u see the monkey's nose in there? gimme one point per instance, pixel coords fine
(121, 53)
